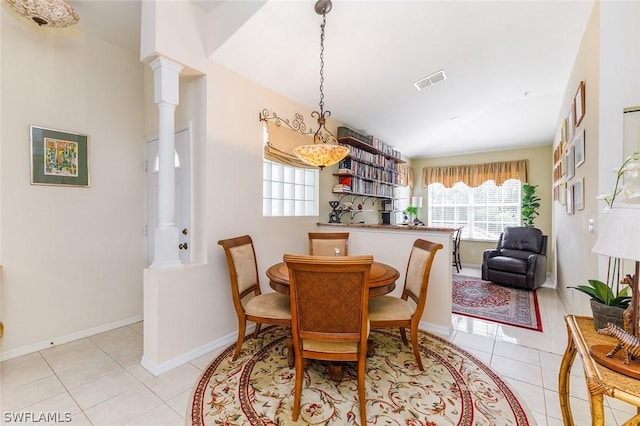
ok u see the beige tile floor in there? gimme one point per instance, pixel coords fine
(99, 380)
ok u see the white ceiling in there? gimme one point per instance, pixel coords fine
(507, 64)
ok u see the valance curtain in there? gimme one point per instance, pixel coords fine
(474, 175)
(280, 145)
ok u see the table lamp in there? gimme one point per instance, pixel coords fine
(620, 238)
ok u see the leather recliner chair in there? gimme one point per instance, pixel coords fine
(519, 259)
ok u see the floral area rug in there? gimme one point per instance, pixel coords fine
(476, 298)
(257, 388)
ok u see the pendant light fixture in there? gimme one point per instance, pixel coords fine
(325, 150)
(48, 13)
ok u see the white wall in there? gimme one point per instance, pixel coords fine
(72, 257)
(608, 63)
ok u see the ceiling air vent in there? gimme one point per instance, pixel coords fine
(430, 80)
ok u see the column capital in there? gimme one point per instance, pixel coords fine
(161, 61)
(166, 80)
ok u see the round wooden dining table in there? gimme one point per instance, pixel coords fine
(382, 278)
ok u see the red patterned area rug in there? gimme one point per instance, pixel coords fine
(257, 388)
(476, 298)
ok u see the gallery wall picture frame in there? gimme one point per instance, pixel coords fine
(563, 193)
(579, 148)
(579, 104)
(557, 172)
(564, 136)
(59, 157)
(570, 122)
(578, 194)
(570, 200)
(571, 164)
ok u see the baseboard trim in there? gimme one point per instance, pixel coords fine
(436, 329)
(157, 369)
(50, 343)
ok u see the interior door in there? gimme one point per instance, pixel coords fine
(183, 194)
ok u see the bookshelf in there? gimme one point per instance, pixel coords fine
(372, 168)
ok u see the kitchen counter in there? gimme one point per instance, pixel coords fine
(385, 226)
(391, 244)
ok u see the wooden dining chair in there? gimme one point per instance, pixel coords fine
(391, 311)
(456, 249)
(326, 243)
(329, 314)
(248, 300)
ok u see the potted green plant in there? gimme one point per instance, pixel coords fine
(530, 204)
(605, 305)
(412, 212)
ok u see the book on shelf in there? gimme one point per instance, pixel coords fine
(345, 132)
(345, 180)
(344, 171)
(341, 187)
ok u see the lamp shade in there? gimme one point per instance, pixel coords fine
(49, 13)
(416, 201)
(321, 154)
(620, 235)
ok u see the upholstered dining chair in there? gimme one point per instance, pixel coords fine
(326, 243)
(250, 303)
(391, 311)
(329, 314)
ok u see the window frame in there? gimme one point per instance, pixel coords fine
(473, 207)
(289, 191)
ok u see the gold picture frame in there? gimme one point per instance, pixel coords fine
(579, 104)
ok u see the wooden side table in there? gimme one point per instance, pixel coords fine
(600, 380)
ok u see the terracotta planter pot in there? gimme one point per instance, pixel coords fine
(602, 314)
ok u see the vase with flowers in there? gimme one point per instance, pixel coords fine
(609, 300)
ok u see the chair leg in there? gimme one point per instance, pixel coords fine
(257, 330)
(297, 392)
(242, 326)
(416, 348)
(362, 396)
(291, 362)
(403, 334)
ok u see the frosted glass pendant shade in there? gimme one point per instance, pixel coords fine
(48, 13)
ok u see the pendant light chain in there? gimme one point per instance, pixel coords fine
(325, 150)
(324, 23)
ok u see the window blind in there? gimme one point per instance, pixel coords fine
(280, 144)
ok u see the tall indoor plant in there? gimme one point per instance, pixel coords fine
(530, 204)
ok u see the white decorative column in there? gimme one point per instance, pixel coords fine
(166, 94)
